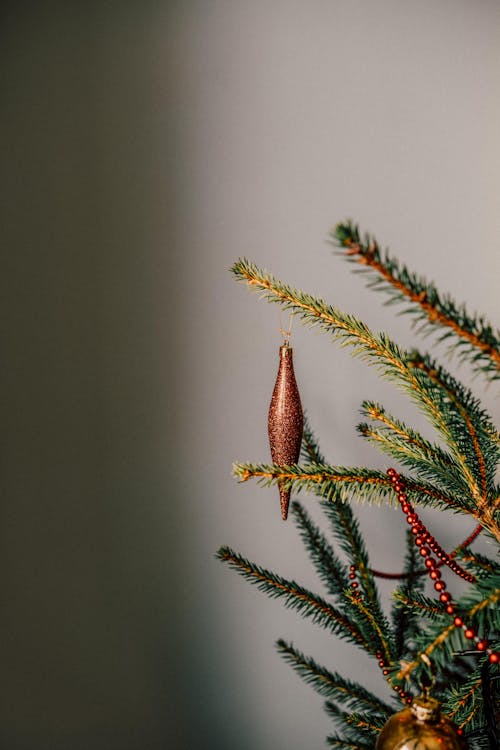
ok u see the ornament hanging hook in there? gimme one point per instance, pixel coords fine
(286, 333)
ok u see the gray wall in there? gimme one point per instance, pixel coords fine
(145, 147)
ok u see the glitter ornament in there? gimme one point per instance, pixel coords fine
(420, 727)
(285, 421)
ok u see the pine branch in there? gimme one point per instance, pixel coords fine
(419, 605)
(296, 597)
(371, 727)
(359, 483)
(330, 569)
(354, 727)
(331, 684)
(482, 565)
(464, 702)
(374, 626)
(345, 529)
(480, 466)
(427, 460)
(474, 338)
(310, 451)
(480, 608)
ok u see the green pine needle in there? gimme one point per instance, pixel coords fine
(296, 597)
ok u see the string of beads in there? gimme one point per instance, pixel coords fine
(401, 576)
(427, 545)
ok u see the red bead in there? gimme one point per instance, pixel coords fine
(430, 563)
(469, 633)
(425, 551)
(409, 700)
(419, 541)
(391, 472)
(450, 609)
(385, 672)
(415, 530)
(439, 585)
(494, 657)
(381, 663)
(405, 508)
(460, 731)
(458, 622)
(352, 567)
(445, 597)
(435, 575)
(352, 576)
(354, 585)
(482, 645)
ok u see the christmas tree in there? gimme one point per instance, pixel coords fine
(430, 640)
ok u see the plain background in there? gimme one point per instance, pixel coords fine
(146, 146)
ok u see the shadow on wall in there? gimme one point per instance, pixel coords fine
(87, 529)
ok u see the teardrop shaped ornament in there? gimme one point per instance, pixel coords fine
(285, 421)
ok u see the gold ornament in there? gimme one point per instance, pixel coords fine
(285, 421)
(420, 727)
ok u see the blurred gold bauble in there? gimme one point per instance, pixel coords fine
(420, 727)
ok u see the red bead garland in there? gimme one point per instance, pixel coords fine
(405, 697)
(427, 544)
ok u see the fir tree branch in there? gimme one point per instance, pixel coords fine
(344, 526)
(422, 604)
(331, 684)
(444, 634)
(474, 711)
(480, 492)
(330, 569)
(354, 727)
(310, 451)
(484, 564)
(411, 449)
(376, 627)
(311, 476)
(373, 727)
(296, 597)
(468, 694)
(480, 339)
(405, 620)
(364, 484)
(438, 641)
